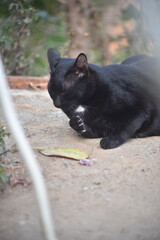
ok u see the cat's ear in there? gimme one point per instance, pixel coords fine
(81, 65)
(53, 57)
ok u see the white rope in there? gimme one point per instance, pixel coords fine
(27, 154)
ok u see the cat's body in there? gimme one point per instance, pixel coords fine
(114, 102)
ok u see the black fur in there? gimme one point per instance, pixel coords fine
(121, 101)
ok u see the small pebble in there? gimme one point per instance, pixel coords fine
(86, 162)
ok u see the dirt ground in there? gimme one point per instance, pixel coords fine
(117, 198)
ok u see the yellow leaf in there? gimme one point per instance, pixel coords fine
(72, 153)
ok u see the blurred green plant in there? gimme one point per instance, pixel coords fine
(3, 176)
(15, 29)
(50, 32)
(24, 41)
(3, 134)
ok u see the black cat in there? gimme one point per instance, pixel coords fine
(114, 102)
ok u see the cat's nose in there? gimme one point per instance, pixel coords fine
(57, 102)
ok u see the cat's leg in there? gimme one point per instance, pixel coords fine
(123, 134)
(79, 122)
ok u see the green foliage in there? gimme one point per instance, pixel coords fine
(26, 34)
(3, 176)
(25, 38)
(49, 6)
(15, 29)
(50, 32)
(3, 133)
(130, 12)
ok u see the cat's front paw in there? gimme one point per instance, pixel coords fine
(81, 125)
(77, 123)
(110, 142)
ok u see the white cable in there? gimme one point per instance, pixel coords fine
(27, 154)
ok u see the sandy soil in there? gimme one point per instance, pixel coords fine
(117, 198)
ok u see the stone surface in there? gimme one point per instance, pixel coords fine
(117, 198)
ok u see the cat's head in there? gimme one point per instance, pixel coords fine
(68, 79)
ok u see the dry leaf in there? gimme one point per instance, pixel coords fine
(72, 153)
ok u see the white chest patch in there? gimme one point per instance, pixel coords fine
(80, 109)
